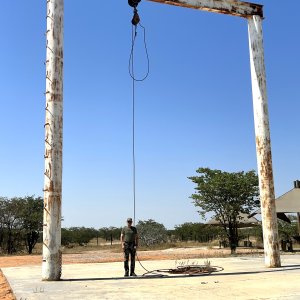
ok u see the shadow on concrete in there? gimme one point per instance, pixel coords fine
(133, 278)
(282, 269)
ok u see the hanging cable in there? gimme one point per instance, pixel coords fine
(135, 22)
(133, 117)
(131, 57)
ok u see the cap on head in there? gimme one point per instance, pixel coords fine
(129, 220)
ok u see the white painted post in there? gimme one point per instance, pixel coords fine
(51, 267)
(298, 219)
(263, 143)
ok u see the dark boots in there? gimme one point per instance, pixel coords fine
(126, 267)
(132, 270)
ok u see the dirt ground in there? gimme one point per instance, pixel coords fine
(102, 256)
(5, 290)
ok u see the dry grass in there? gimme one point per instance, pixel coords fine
(116, 247)
(81, 249)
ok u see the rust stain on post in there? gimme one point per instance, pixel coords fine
(51, 266)
(263, 143)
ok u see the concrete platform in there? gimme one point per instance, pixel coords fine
(242, 278)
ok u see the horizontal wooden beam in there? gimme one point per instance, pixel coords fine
(228, 7)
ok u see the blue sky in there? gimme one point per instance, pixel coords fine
(194, 110)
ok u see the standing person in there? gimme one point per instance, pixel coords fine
(129, 240)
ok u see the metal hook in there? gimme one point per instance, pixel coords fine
(136, 18)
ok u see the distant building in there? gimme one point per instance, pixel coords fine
(286, 204)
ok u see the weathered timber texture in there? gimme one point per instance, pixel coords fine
(51, 267)
(229, 7)
(263, 143)
(298, 219)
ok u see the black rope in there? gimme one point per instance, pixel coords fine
(141, 264)
(131, 57)
(188, 270)
(152, 273)
(134, 79)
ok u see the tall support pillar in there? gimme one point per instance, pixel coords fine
(51, 267)
(263, 143)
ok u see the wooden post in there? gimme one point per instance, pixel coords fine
(51, 267)
(263, 143)
(298, 219)
(228, 7)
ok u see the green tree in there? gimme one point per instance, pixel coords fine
(151, 232)
(21, 221)
(189, 231)
(11, 224)
(31, 216)
(78, 235)
(66, 237)
(114, 233)
(104, 233)
(197, 232)
(288, 230)
(226, 195)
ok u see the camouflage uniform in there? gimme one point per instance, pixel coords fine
(129, 248)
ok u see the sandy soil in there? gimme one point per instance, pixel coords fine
(99, 256)
(5, 290)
